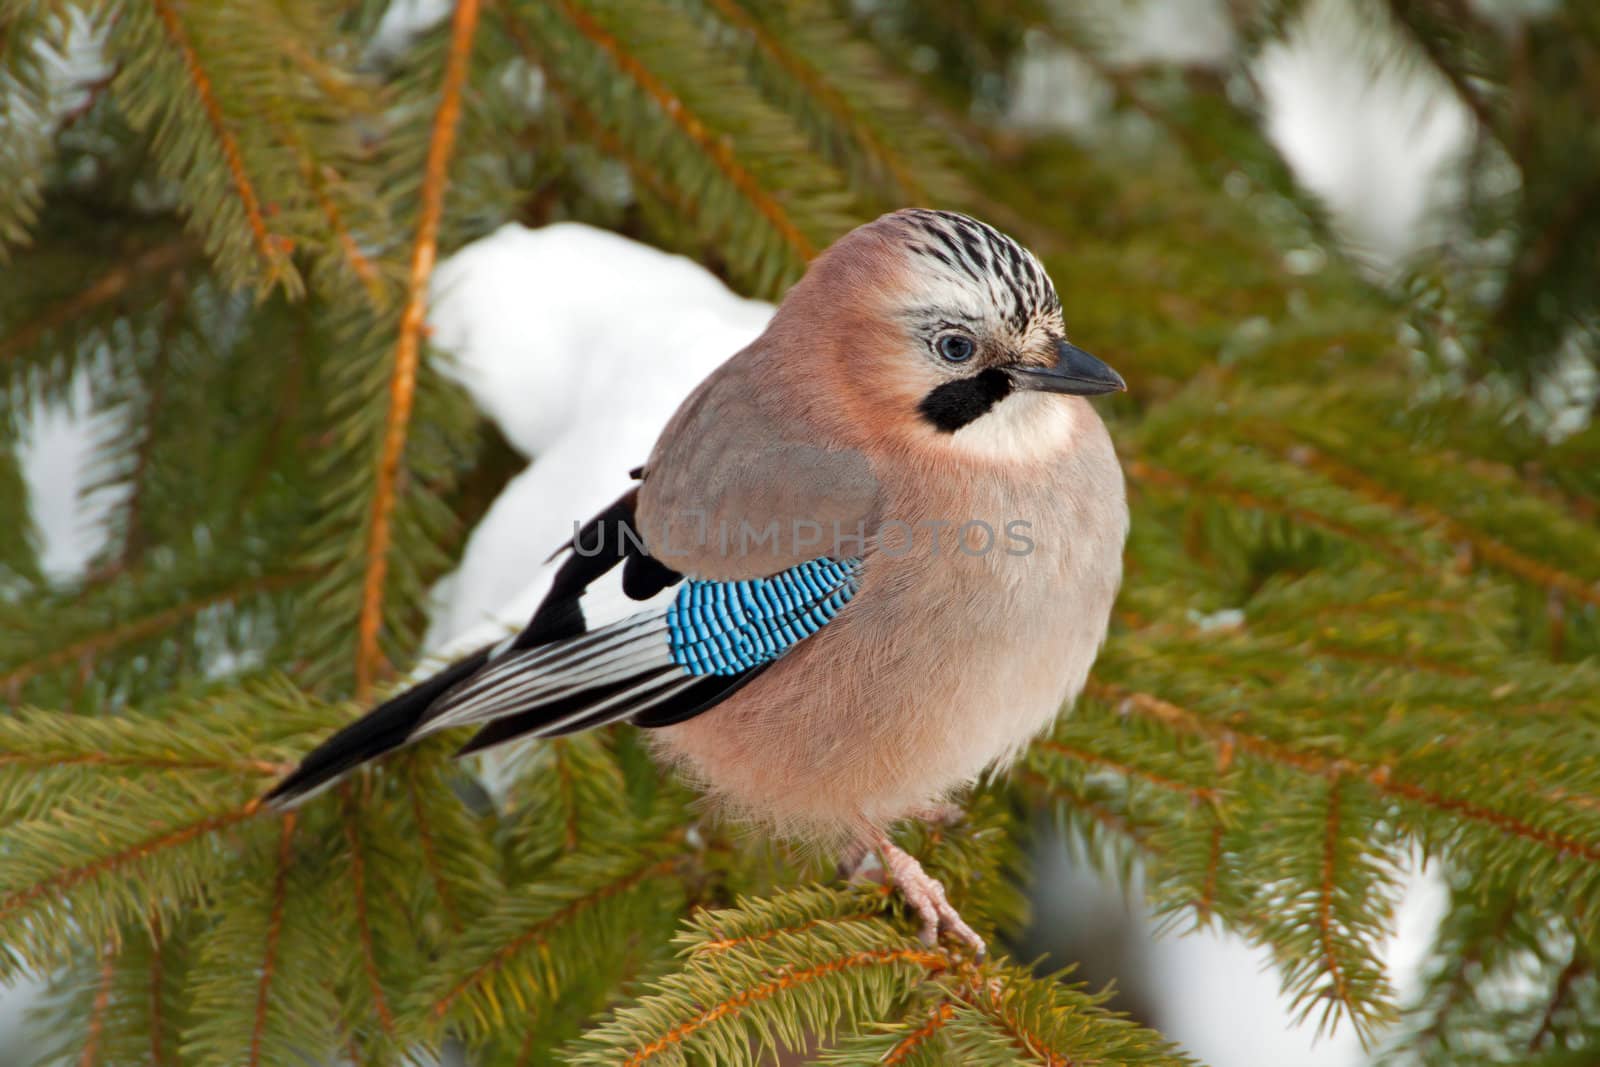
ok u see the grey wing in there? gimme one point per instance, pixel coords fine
(738, 487)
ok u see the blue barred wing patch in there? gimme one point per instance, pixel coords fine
(730, 627)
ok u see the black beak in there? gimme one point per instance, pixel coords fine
(1075, 372)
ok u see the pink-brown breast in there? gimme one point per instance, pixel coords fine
(943, 663)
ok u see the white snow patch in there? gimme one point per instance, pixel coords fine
(402, 23)
(55, 446)
(579, 344)
(1370, 132)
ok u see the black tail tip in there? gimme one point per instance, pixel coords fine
(283, 796)
(299, 786)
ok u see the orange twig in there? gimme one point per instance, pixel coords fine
(219, 128)
(1496, 552)
(97, 1014)
(403, 380)
(143, 763)
(825, 94)
(567, 788)
(280, 891)
(1142, 471)
(1330, 852)
(1379, 777)
(62, 881)
(104, 289)
(430, 858)
(1208, 892)
(933, 961)
(317, 181)
(673, 108)
(908, 1044)
(1577, 967)
(1029, 1042)
(525, 1050)
(358, 889)
(572, 105)
(1094, 759)
(141, 628)
(1111, 820)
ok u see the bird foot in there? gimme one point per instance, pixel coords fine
(926, 896)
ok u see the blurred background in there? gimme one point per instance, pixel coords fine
(1433, 164)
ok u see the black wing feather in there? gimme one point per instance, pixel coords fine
(382, 730)
(559, 619)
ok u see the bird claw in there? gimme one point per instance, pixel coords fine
(926, 897)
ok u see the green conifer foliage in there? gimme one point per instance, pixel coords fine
(1361, 619)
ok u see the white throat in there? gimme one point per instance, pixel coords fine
(1022, 427)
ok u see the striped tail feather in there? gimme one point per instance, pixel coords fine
(389, 726)
(655, 667)
(712, 639)
(635, 648)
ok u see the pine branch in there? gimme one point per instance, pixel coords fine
(430, 856)
(1075, 805)
(1348, 917)
(564, 797)
(157, 987)
(1490, 549)
(358, 893)
(20, 571)
(156, 261)
(30, 40)
(673, 108)
(35, 762)
(1193, 792)
(902, 186)
(407, 348)
(805, 965)
(319, 180)
(97, 1014)
(1494, 970)
(573, 106)
(1425, 29)
(1142, 471)
(86, 647)
(766, 193)
(1577, 968)
(85, 855)
(792, 979)
(270, 246)
(119, 466)
(519, 952)
(1379, 776)
(15, 901)
(906, 1046)
(274, 929)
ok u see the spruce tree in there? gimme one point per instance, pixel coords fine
(1361, 619)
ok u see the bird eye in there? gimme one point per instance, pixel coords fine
(955, 347)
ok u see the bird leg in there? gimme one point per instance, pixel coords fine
(925, 895)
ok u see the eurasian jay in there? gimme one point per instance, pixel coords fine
(873, 554)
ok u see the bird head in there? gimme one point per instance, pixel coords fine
(946, 329)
